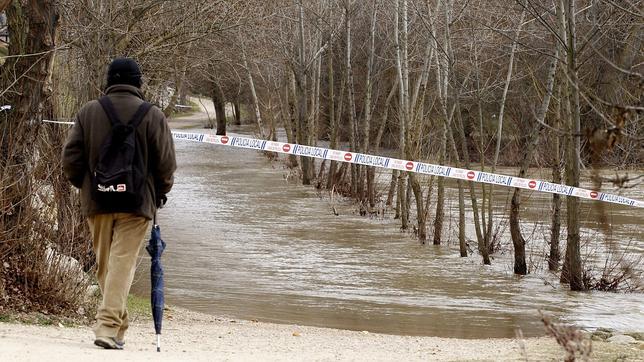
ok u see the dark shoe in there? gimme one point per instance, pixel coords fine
(108, 343)
(120, 337)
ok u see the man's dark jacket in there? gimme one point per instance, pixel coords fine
(81, 150)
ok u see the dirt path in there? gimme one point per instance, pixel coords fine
(195, 120)
(190, 336)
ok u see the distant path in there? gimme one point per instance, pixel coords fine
(195, 120)
(189, 336)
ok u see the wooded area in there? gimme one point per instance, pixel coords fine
(477, 84)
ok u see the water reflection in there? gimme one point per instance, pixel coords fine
(244, 242)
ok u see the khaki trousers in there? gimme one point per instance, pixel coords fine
(117, 240)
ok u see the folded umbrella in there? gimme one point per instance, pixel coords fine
(155, 248)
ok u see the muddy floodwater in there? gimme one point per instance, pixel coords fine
(245, 242)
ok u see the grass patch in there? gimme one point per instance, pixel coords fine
(138, 307)
(40, 319)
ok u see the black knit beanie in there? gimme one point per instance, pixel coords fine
(124, 71)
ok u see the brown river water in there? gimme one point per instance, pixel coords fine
(246, 243)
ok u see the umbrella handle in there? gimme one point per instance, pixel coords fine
(158, 343)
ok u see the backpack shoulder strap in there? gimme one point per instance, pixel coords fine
(108, 107)
(139, 114)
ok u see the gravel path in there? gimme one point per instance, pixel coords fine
(190, 336)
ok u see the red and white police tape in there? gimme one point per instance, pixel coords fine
(402, 165)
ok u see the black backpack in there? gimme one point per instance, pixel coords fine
(119, 180)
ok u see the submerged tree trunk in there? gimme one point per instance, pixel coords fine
(403, 82)
(301, 92)
(440, 197)
(331, 181)
(499, 133)
(314, 116)
(443, 73)
(554, 256)
(376, 147)
(440, 213)
(462, 242)
(573, 253)
(483, 249)
(287, 120)
(302, 129)
(333, 131)
(352, 104)
(520, 266)
(363, 171)
(392, 189)
(420, 210)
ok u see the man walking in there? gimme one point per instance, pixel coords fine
(121, 155)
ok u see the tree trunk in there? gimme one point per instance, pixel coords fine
(167, 111)
(462, 242)
(26, 86)
(481, 149)
(403, 82)
(236, 110)
(529, 147)
(499, 132)
(371, 187)
(555, 255)
(301, 126)
(482, 247)
(253, 92)
(219, 100)
(573, 253)
(335, 120)
(440, 197)
(399, 197)
(376, 147)
(333, 131)
(288, 121)
(363, 172)
(420, 210)
(442, 85)
(318, 179)
(313, 118)
(352, 105)
(440, 212)
(302, 92)
(555, 228)
(392, 188)
(4, 4)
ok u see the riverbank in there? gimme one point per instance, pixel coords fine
(191, 336)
